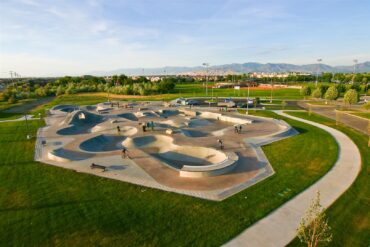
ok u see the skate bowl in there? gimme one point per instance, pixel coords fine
(103, 143)
(65, 108)
(80, 122)
(189, 161)
(66, 155)
(194, 133)
(198, 122)
(128, 116)
(168, 113)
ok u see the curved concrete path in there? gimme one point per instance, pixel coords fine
(23, 118)
(279, 227)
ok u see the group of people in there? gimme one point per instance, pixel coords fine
(238, 129)
(148, 125)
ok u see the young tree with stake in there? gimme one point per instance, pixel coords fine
(314, 228)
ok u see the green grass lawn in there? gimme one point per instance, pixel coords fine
(42, 205)
(349, 216)
(197, 90)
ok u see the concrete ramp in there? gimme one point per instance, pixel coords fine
(194, 133)
(66, 155)
(80, 122)
(65, 108)
(197, 122)
(129, 116)
(103, 143)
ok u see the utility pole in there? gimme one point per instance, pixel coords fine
(317, 71)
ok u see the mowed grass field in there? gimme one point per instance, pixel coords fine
(349, 216)
(198, 90)
(42, 205)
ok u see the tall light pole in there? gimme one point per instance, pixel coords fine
(207, 66)
(317, 71)
(11, 77)
(248, 100)
(354, 70)
(271, 90)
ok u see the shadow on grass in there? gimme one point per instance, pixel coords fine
(300, 130)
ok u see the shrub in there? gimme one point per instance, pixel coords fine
(317, 93)
(332, 93)
(351, 97)
(305, 91)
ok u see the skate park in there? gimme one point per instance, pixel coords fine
(196, 151)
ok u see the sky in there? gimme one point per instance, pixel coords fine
(75, 37)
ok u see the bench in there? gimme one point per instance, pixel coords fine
(93, 166)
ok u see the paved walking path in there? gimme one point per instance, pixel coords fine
(279, 227)
(23, 118)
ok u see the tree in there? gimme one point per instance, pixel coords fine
(331, 93)
(323, 89)
(351, 97)
(314, 228)
(326, 77)
(305, 91)
(317, 93)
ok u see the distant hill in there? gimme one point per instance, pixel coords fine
(238, 68)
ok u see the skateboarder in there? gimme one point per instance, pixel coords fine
(240, 129)
(118, 129)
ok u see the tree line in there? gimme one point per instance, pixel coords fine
(351, 92)
(121, 84)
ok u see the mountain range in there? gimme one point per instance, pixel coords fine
(237, 68)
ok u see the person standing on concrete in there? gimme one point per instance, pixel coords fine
(240, 129)
(124, 153)
(118, 129)
(236, 129)
(152, 125)
(221, 143)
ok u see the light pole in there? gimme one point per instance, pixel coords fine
(248, 100)
(271, 90)
(317, 71)
(206, 65)
(354, 70)
(28, 133)
(11, 77)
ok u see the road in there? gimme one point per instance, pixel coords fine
(349, 120)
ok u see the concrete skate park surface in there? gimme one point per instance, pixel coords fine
(180, 153)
